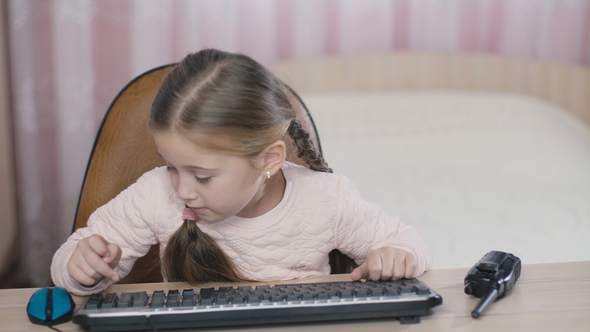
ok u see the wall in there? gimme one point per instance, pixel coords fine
(70, 58)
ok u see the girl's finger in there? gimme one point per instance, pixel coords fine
(375, 265)
(388, 264)
(410, 266)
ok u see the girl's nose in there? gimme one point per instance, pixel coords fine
(185, 191)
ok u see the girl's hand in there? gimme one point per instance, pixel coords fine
(94, 259)
(386, 264)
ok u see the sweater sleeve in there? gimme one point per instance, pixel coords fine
(363, 226)
(124, 221)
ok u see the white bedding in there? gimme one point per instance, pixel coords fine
(473, 172)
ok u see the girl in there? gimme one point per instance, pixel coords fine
(228, 207)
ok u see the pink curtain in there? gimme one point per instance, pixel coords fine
(70, 58)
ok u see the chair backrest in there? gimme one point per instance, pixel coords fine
(124, 150)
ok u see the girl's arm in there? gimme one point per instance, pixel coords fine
(365, 232)
(124, 222)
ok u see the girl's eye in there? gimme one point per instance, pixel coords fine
(170, 168)
(202, 180)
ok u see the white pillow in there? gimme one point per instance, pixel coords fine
(472, 172)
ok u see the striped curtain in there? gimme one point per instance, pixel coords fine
(69, 59)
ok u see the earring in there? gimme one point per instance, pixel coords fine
(268, 175)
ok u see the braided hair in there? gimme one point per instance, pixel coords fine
(305, 148)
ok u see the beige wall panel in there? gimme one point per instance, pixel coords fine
(564, 85)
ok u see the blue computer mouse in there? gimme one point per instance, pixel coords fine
(50, 306)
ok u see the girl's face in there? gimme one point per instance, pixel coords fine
(215, 186)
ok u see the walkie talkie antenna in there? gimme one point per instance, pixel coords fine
(484, 302)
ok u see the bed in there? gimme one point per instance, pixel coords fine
(478, 152)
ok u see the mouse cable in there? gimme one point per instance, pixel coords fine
(53, 328)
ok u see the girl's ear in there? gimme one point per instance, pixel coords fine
(273, 157)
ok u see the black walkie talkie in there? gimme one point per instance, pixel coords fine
(492, 278)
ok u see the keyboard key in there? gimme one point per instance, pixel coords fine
(245, 289)
(125, 300)
(277, 298)
(94, 301)
(173, 299)
(363, 293)
(238, 298)
(206, 301)
(188, 298)
(140, 299)
(292, 297)
(346, 294)
(110, 301)
(421, 290)
(405, 290)
(223, 299)
(207, 296)
(254, 298)
(158, 299)
(226, 290)
(392, 291)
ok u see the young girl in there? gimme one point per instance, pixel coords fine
(228, 207)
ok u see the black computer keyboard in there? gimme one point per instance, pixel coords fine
(406, 299)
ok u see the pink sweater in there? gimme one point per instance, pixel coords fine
(319, 212)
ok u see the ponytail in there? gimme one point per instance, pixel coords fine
(193, 256)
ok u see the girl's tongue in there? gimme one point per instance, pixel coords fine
(188, 214)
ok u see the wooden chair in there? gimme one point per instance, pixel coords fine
(124, 150)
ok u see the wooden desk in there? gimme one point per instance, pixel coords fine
(547, 297)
